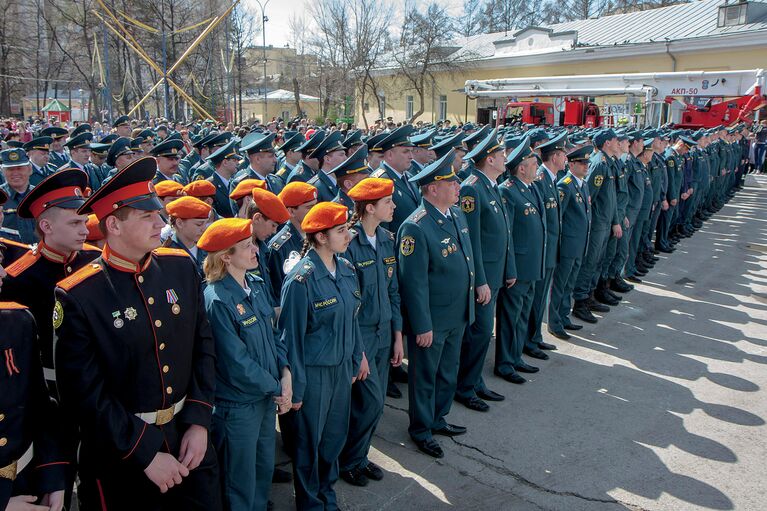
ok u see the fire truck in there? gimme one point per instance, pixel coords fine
(688, 99)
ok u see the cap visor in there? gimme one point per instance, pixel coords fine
(148, 204)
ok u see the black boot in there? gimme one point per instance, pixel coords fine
(603, 296)
(595, 306)
(582, 311)
(620, 285)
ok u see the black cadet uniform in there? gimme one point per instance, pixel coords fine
(135, 363)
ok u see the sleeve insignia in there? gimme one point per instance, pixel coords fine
(58, 315)
(467, 204)
(407, 245)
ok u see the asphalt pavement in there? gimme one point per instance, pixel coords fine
(659, 406)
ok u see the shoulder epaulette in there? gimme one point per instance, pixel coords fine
(12, 306)
(314, 179)
(88, 246)
(471, 180)
(419, 214)
(346, 262)
(379, 173)
(166, 251)
(22, 263)
(6, 241)
(392, 236)
(283, 170)
(567, 180)
(87, 271)
(353, 232)
(279, 241)
(306, 269)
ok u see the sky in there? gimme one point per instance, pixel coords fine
(280, 12)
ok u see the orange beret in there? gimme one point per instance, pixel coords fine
(297, 193)
(94, 233)
(200, 188)
(371, 188)
(169, 188)
(245, 187)
(323, 216)
(225, 233)
(270, 205)
(188, 208)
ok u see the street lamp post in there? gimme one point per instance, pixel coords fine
(264, 19)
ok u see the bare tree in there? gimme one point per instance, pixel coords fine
(471, 19)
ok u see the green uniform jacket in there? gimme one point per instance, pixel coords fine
(602, 188)
(528, 230)
(621, 188)
(489, 228)
(547, 190)
(406, 197)
(674, 166)
(436, 270)
(576, 217)
(635, 183)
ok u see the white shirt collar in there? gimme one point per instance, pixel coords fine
(258, 175)
(578, 180)
(222, 178)
(552, 175)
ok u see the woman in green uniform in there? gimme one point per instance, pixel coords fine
(320, 300)
(252, 376)
(372, 252)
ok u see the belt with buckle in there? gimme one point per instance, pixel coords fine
(10, 471)
(164, 416)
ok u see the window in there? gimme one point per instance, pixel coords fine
(442, 108)
(734, 14)
(408, 107)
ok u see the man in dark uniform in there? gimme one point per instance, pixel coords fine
(470, 140)
(37, 150)
(225, 161)
(329, 153)
(552, 153)
(436, 271)
(31, 467)
(396, 150)
(375, 153)
(353, 142)
(576, 223)
(122, 126)
(136, 315)
(168, 154)
(421, 153)
(205, 168)
(80, 157)
(32, 278)
(528, 238)
(57, 155)
(291, 156)
(308, 166)
(673, 161)
(350, 172)
(120, 154)
(261, 157)
(17, 170)
(489, 231)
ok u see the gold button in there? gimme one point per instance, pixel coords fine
(141, 279)
(3, 441)
(162, 346)
(150, 301)
(157, 323)
(69, 269)
(169, 390)
(2, 417)
(165, 369)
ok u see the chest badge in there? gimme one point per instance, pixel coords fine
(118, 322)
(241, 309)
(131, 314)
(172, 297)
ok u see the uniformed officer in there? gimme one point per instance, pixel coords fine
(57, 155)
(490, 233)
(188, 217)
(436, 271)
(636, 263)
(455, 142)
(575, 207)
(291, 155)
(137, 315)
(372, 251)
(168, 155)
(12, 249)
(353, 142)
(31, 468)
(396, 149)
(552, 152)
(79, 146)
(122, 126)
(527, 219)
(252, 374)
(205, 168)
(421, 152)
(198, 153)
(659, 179)
(225, 161)
(308, 166)
(261, 157)
(375, 153)
(17, 172)
(202, 189)
(604, 224)
(120, 155)
(673, 163)
(348, 173)
(320, 329)
(168, 191)
(470, 140)
(37, 151)
(242, 195)
(329, 153)
(298, 198)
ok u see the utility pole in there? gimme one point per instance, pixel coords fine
(166, 86)
(264, 19)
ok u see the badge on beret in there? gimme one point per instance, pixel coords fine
(58, 315)
(599, 180)
(467, 204)
(407, 245)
